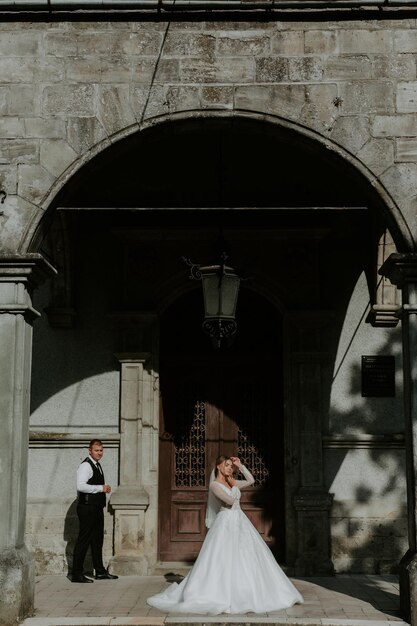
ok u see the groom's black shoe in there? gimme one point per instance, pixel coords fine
(81, 579)
(105, 576)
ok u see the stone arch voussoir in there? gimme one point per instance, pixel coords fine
(388, 204)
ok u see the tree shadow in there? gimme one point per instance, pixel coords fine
(365, 588)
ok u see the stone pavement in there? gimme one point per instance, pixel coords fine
(340, 601)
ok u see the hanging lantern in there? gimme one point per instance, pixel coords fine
(220, 291)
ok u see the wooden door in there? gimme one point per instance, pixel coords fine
(208, 409)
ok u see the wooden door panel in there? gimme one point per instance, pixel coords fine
(187, 522)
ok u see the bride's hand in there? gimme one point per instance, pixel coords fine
(230, 481)
(236, 461)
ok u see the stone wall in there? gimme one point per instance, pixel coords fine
(70, 89)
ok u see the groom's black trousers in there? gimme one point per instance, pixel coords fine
(91, 533)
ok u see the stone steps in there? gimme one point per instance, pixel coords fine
(236, 620)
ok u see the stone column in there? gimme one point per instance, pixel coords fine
(130, 500)
(401, 269)
(19, 275)
(311, 501)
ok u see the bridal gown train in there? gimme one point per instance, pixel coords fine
(235, 571)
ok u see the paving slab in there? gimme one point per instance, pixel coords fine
(341, 600)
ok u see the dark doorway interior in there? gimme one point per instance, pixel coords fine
(219, 402)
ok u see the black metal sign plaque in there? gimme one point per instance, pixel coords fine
(378, 376)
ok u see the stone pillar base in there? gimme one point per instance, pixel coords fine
(129, 504)
(17, 585)
(408, 587)
(313, 506)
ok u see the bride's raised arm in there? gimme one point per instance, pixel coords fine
(249, 479)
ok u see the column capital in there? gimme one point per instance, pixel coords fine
(132, 357)
(400, 268)
(32, 268)
(20, 274)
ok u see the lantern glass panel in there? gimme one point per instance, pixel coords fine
(220, 293)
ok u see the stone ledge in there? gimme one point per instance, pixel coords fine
(235, 619)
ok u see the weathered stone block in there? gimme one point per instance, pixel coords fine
(19, 151)
(24, 100)
(305, 69)
(8, 178)
(347, 67)
(66, 99)
(138, 26)
(50, 128)
(83, 70)
(365, 98)
(181, 98)
(113, 108)
(394, 125)
(228, 70)
(84, 132)
(405, 41)
(378, 155)
(4, 101)
(168, 71)
(271, 69)
(34, 182)
(18, 214)
(406, 98)
(406, 149)
(243, 44)
(319, 110)
(18, 585)
(143, 70)
(320, 42)
(288, 100)
(217, 97)
(370, 41)
(254, 97)
(400, 66)
(16, 70)
(401, 180)
(49, 70)
(56, 155)
(179, 44)
(351, 132)
(60, 44)
(102, 43)
(289, 43)
(11, 127)
(144, 43)
(20, 43)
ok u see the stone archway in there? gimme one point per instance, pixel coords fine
(367, 185)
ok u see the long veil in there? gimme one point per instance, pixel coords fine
(213, 504)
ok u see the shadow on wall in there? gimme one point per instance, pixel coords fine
(369, 513)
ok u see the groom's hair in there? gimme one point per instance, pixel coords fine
(95, 442)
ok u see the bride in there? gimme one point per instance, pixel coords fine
(235, 571)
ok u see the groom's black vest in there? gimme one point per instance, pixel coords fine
(96, 499)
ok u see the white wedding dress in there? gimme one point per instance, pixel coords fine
(235, 571)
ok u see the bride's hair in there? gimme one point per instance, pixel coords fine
(220, 459)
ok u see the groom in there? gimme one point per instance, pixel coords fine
(92, 489)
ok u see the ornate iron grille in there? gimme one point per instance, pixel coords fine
(253, 427)
(190, 451)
